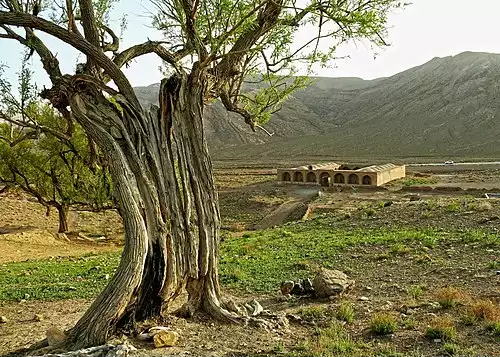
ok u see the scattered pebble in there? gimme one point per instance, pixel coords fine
(38, 317)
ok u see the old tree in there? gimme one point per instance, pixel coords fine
(160, 166)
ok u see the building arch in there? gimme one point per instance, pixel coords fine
(286, 176)
(311, 177)
(353, 179)
(339, 178)
(325, 179)
(367, 180)
(297, 177)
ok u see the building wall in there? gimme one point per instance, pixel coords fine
(392, 174)
(350, 177)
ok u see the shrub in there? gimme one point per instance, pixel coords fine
(333, 340)
(484, 310)
(441, 328)
(415, 291)
(383, 324)
(345, 312)
(449, 297)
(312, 313)
(451, 349)
(494, 328)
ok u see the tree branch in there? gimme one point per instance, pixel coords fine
(79, 43)
(151, 47)
(89, 24)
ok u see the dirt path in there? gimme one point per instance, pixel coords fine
(290, 210)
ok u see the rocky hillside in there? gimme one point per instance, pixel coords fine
(447, 106)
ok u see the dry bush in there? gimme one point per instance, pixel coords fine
(236, 227)
(482, 310)
(441, 328)
(450, 297)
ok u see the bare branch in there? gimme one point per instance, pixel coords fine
(151, 47)
(115, 44)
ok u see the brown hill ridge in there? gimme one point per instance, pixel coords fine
(448, 106)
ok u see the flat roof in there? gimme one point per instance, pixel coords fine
(332, 166)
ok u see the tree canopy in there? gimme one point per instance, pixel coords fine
(58, 173)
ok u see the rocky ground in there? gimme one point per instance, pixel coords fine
(407, 289)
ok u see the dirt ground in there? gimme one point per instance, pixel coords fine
(26, 232)
(382, 279)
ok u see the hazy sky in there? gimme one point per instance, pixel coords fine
(425, 29)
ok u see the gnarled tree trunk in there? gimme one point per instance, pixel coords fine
(164, 186)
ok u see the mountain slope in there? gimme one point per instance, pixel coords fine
(447, 106)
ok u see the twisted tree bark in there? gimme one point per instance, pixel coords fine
(163, 181)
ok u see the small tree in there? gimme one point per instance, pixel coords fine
(161, 168)
(56, 172)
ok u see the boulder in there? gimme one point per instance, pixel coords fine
(331, 282)
(3, 320)
(165, 339)
(55, 336)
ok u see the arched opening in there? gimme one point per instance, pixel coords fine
(353, 179)
(311, 177)
(367, 180)
(297, 177)
(339, 178)
(324, 179)
(286, 177)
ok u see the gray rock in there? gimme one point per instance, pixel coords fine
(331, 283)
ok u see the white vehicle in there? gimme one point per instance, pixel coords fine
(449, 162)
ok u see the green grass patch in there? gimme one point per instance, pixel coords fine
(441, 328)
(415, 291)
(345, 312)
(58, 278)
(254, 262)
(383, 324)
(333, 341)
(417, 181)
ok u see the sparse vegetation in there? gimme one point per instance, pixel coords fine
(257, 261)
(417, 181)
(415, 291)
(332, 341)
(494, 328)
(312, 313)
(400, 249)
(451, 349)
(383, 324)
(345, 312)
(493, 264)
(453, 207)
(484, 310)
(441, 328)
(449, 297)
